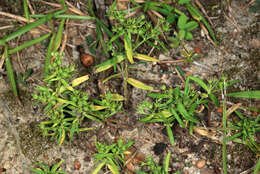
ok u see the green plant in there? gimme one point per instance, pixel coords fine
(67, 107)
(44, 169)
(244, 131)
(154, 168)
(111, 156)
(21, 78)
(182, 106)
(184, 30)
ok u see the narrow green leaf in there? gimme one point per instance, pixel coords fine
(26, 11)
(181, 34)
(48, 55)
(26, 28)
(109, 63)
(257, 166)
(138, 84)
(191, 26)
(58, 37)
(146, 58)
(182, 22)
(246, 94)
(128, 47)
(170, 134)
(29, 43)
(201, 83)
(10, 72)
(99, 167)
(167, 162)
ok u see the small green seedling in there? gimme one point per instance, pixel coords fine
(154, 168)
(111, 156)
(244, 131)
(21, 78)
(66, 106)
(45, 169)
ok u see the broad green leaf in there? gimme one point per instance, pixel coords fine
(181, 34)
(182, 22)
(128, 47)
(188, 36)
(191, 26)
(138, 84)
(246, 94)
(79, 80)
(184, 113)
(145, 57)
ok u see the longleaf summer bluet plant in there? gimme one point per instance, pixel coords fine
(66, 106)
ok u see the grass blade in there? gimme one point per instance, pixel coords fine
(201, 83)
(58, 37)
(246, 94)
(128, 47)
(29, 43)
(25, 29)
(26, 11)
(257, 167)
(48, 55)
(170, 134)
(10, 72)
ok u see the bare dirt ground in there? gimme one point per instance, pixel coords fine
(238, 56)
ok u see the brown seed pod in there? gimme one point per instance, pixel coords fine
(86, 59)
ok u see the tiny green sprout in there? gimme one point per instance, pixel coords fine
(111, 156)
(45, 169)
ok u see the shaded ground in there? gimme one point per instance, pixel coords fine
(238, 56)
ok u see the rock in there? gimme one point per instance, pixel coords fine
(200, 163)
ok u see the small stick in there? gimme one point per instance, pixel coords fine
(19, 58)
(19, 18)
(6, 27)
(30, 7)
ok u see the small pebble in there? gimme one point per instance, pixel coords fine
(200, 163)
(77, 164)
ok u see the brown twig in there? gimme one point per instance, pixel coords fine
(18, 57)
(22, 19)
(30, 7)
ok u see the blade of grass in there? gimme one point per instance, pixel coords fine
(224, 145)
(26, 11)
(257, 167)
(26, 28)
(10, 72)
(29, 43)
(48, 55)
(58, 37)
(128, 47)
(246, 94)
(170, 134)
